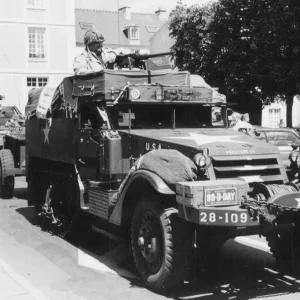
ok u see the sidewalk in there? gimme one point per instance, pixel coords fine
(15, 287)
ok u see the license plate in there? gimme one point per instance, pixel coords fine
(217, 218)
(219, 197)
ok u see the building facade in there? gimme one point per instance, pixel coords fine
(121, 29)
(272, 114)
(37, 45)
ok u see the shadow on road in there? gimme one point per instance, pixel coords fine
(239, 272)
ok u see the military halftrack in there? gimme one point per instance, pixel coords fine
(148, 157)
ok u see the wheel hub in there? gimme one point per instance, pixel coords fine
(150, 242)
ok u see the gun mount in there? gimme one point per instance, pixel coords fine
(135, 60)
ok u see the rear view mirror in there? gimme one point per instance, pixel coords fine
(257, 133)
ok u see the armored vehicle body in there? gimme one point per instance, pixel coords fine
(146, 156)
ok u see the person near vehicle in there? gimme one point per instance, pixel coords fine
(235, 118)
(95, 57)
(281, 124)
(246, 118)
(239, 122)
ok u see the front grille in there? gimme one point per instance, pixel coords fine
(256, 168)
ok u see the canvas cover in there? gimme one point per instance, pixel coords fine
(104, 85)
(170, 165)
(33, 100)
(107, 84)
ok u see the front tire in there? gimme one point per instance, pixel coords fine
(160, 244)
(7, 182)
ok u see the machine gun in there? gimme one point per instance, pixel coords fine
(135, 60)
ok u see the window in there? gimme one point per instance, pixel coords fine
(134, 33)
(282, 138)
(86, 26)
(37, 42)
(151, 29)
(165, 116)
(36, 81)
(274, 117)
(36, 3)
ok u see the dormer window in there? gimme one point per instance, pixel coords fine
(134, 33)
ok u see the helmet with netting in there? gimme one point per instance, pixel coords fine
(92, 36)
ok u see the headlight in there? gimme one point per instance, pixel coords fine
(200, 160)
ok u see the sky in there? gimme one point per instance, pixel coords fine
(142, 6)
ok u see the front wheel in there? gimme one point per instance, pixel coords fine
(160, 244)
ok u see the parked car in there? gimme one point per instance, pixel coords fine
(8, 113)
(283, 138)
(10, 116)
(295, 164)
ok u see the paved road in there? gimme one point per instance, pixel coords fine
(44, 266)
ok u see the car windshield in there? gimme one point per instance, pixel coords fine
(167, 116)
(281, 137)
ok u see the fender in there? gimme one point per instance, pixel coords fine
(154, 180)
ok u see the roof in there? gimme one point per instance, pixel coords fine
(109, 22)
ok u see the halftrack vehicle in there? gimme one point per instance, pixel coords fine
(145, 156)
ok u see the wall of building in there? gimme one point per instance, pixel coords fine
(296, 112)
(268, 114)
(57, 18)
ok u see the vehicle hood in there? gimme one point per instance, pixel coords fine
(219, 141)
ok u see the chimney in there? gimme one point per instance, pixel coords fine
(126, 12)
(161, 13)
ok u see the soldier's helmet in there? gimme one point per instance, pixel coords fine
(92, 36)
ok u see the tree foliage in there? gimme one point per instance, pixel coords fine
(250, 49)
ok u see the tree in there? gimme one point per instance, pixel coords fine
(249, 48)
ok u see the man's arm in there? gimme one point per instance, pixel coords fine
(80, 65)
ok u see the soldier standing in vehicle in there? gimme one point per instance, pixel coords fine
(95, 57)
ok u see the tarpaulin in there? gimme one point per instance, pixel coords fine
(171, 165)
(33, 100)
